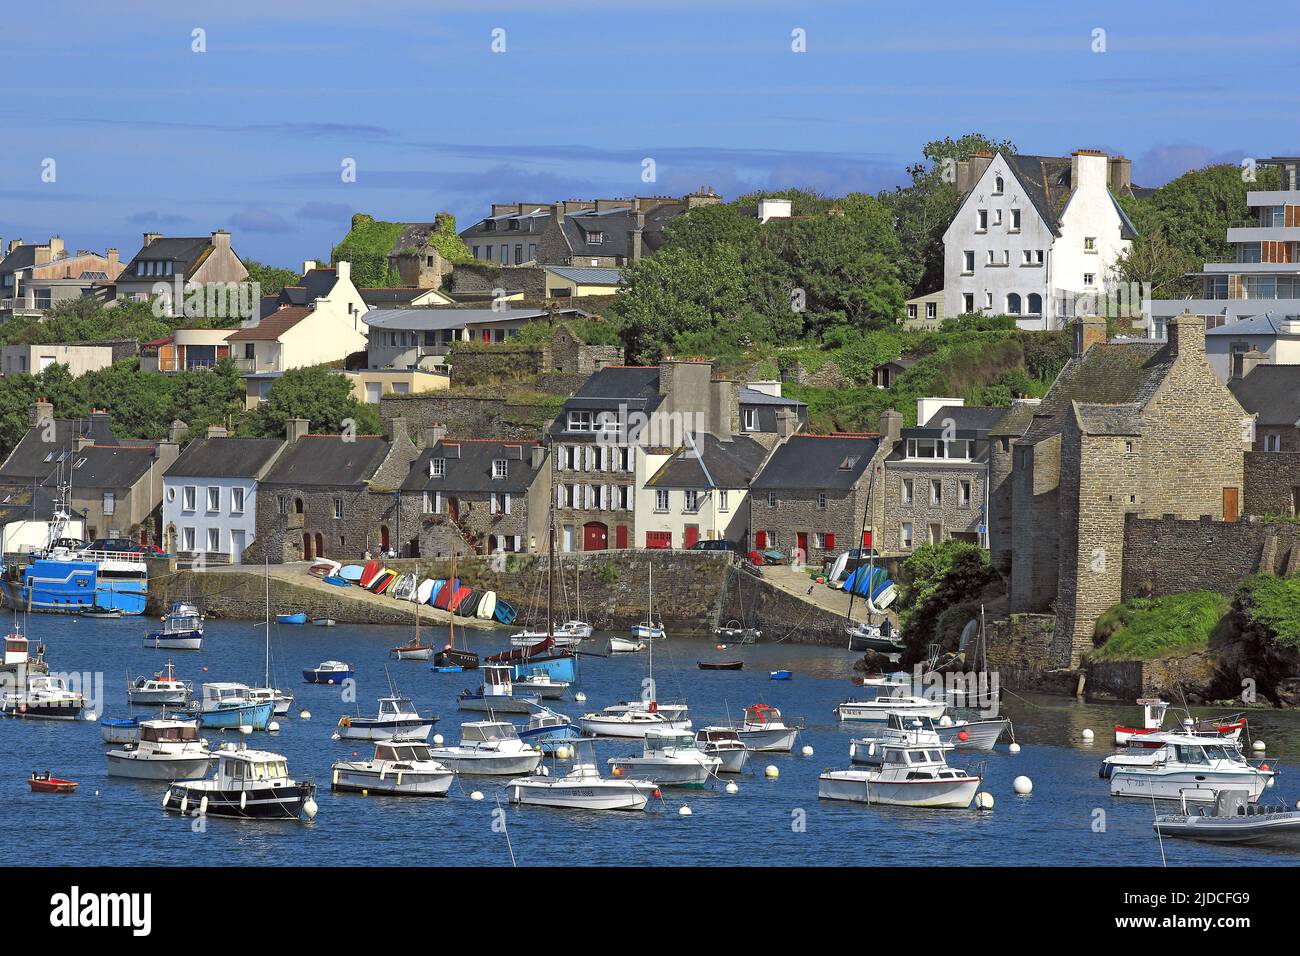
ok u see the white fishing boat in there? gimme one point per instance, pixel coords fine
(906, 777)
(879, 708)
(1235, 821)
(543, 685)
(630, 723)
(973, 734)
(671, 710)
(582, 788)
(764, 729)
(497, 693)
(1174, 766)
(167, 750)
(249, 784)
(669, 759)
(42, 697)
(621, 645)
(163, 689)
(281, 700)
(401, 767)
(182, 629)
(725, 744)
(488, 747)
(397, 717)
(899, 731)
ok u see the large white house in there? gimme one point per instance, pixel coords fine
(209, 505)
(1036, 237)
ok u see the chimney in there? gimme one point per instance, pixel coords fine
(1088, 168)
(56, 248)
(177, 431)
(537, 456)
(1186, 335)
(220, 239)
(41, 411)
(557, 212)
(1088, 331)
(397, 430)
(434, 434)
(14, 244)
(891, 425)
(787, 422)
(216, 431)
(637, 229)
(294, 428)
(308, 265)
(1121, 175)
(112, 256)
(1243, 363)
(970, 170)
(343, 271)
(151, 237)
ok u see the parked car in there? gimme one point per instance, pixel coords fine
(125, 545)
(715, 544)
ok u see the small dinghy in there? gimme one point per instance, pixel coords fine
(106, 613)
(299, 617)
(781, 675)
(412, 650)
(423, 592)
(351, 573)
(338, 582)
(324, 568)
(328, 672)
(403, 589)
(720, 665)
(621, 645)
(323, 622)
(42, 781)
(368, 573)
(504, 612)
(1234, 820)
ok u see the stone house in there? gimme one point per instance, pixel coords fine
(334, 495)
(937, 477)
(813, 493)
(175, 268)
(478, 495)
(1135, 428)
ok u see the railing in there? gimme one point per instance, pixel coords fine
(253, 365)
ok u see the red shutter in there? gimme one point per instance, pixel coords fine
(866, 539)
(760, 540)
(830, 541)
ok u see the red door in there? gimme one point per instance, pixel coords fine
(866, 539)
(306, 546)
(692, 535)
(595, 536)
(802, 543)
(658, 539)
(620, 536)
(383, 537)
(760, 540)
(320, 546)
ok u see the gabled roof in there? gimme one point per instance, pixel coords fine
(468, 467)
(817, 463)
(1094, 419)
(588, 275)
(21, 257)
(1014, 421)
(34, 458)
(752, 396)
(187, 253)
(272, 326)
(224, 458)
(398, 295)
(1272, 392)
(726, 464)
(966, 417)
(106, 466)
(1048, 181)
(633, 386)
(316, 460)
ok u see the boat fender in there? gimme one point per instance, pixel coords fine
(243, 799)
(203, 806)
(185, 803)
(168, 795)
(399, 778)
(334, 780)
(383, 772)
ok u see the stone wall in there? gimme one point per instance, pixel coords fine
(1130, 680)
(1170, 555)
(530, 279)
(953, 518)
(1272, 482)
(780, 615)
(466, 416)
(492, 365)
(571, 355)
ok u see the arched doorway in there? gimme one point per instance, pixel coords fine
(306, 546)
(595, 536)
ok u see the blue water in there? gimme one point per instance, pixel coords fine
(117, 822)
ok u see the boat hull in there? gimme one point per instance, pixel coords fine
(488, 764)
(1270, 829)
(499, 704)
(160, 768)
(1191, 785)
(856, 787)
(186, 641)
(665, 773)
(326, 677)
(253, 803)
(772, 740)
(733, 759)
(42, 710)
(357, 777)
(360, 728)
(549, 738)
(256, 716)
(593, 795)
(878, 712)
(413, 654)
(69, 587)
(158, 698)
(980, 734)
(610, 727)
(562, 668)
(119, 732)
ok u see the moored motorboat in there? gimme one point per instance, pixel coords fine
(182, 629)
(163, 689)
(101, 613)
(248, 784)
(725, 744)
(119, 730)
(1175, 766)
(630, 723)
(878, 709)
(899, 731)
(401, 766)
(397, 717)
(1236, 821)
(906, 777)
(43, 697)
(328, 672)
(975, 734)
(497, 694)
(582, 788)
(548, 730)
(669, 759)
(488, 747)
(42, 781)
(543, 686)
(227, 705)
(1153, 718)
(167, 750)
(764, 729)
(621, 645)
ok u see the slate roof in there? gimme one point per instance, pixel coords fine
(272, 326)
(106, 466)
(588, 275)
(752, 396)
(28, 458)
(1255, 325)
(316, 460)
(400, 295)
(1047, 181)
(1272, 392)
(1094, 419)
(1014, 421)
(472, 470)
(314, 284)
(224, 458)
(449, 317)
(966, 417)
(813, 463)
(23, 257)
(634, 386)
(186, 252)
(730, 464)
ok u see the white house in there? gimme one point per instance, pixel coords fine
(1036, 237)
(697, 492)
(209, 505)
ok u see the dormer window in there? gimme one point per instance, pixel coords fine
(499, 468)
(489, 225)
(595, 238)
(437, 467)
(580, 421)
(849, 463)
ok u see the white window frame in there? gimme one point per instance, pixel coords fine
(236, 501)
(214, 491)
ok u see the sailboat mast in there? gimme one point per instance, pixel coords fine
(266, 677)
(451, 612)
(550, 574)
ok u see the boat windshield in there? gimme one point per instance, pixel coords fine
(1190, 753)
(394, 705)
(665, 741)
(406, 752)
(176, 732)
(486, 731)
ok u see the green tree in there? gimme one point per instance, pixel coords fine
(271, 278)
(321, 396)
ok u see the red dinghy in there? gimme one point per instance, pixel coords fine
(368, 573)
(45, 782)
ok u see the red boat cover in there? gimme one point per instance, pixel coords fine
(517, 654)
(445, 594)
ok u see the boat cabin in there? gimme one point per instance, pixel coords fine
(168, 731)
(919, 763)
(15, 649)
(240, 767)
(181, 618)
(225, 693)
(47, 684)
(1153, 712)
(762, 715)
(911, 723)
(497, 680)
(482, 731)
(710, 735)
(666, 741)
(395, 707)
(402, 751)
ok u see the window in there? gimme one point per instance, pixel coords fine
(187, 539)
(936, 492)
(819, 541)
(968, 301)
(997, 217)
(338, 507)
(1015, 220)
(771, 499)
(532, 251)
(691, 501)
(1013, 303)
(905, 535)
(437, 467)
(580, 421)
(505, 254)
(963, 493)
(236, 501)
(911, 310)
(1271, 443)
(988, 300)
(999, 185)
(931, 310)
(1089, 278)
(189, 495)
(519, 253)
(1128, 448)
(214, 498)
(1089, 243)
(661, 499)
(214, 540)
(499, 468)
(283, 504)
(968, 262)
(821, 500)
(909, 489)
(1035, 306)
(722, 501)
(595, 238)
(110, 502)
(749, 419)
(982, 220)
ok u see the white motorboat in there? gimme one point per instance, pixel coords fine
(42, 697)
(167, 750)
(906, 777)
(397, 717)
(648, 630)
(621, 645)
(488, 747)
(1172, 766)
(764, 729)
(497, 694)
(543, 685)
(725, 744)
(163, 689)
(669, 759)
(899, 731)
(630, 723)
(1235, 821)
(878, 709)
(567, 634)
(671, 710)
(582, 788)
(401, 767)
(249, 784)
(975, 734)
(182, 629)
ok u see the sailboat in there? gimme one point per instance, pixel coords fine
(637, 718)
(414, 650)
(648, 630)
(883, 638)
(452, 658)
(280, 700)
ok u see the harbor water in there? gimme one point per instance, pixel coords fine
(1069, 819)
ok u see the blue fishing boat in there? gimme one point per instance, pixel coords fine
(548, 730)
(299, 617)
(71, 583)
(562, 666)
(119, 730)
(229, 706)
(328, 672)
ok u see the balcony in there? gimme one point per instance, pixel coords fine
(1252, 231)
(254, 366)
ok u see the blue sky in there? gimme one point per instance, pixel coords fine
(250, 135)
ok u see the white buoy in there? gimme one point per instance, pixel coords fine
(476, 795)
(1014, 748)
(580, 697)
(683, 811)
(1087, 734)
(731, 787)
(335, 737)
(1257, 746)
(90, 715)
(771, 772)
(1023, 786)
(310, 808)
(273, 727)
(438, 739)
(983, 800)
(203, 805)
(245, 729)
(304, 714)
(563, 753)
(807, 751)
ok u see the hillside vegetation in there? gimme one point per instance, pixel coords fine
(1147, 628)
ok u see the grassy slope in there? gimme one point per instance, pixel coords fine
(1147, 628)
